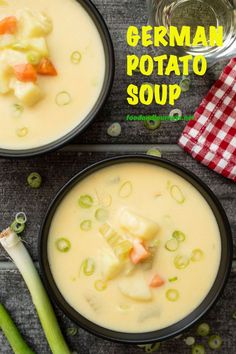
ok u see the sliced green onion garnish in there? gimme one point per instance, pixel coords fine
(33, 57)
(177, 194)
(76, 57)
(114, 130)
(126, 189)
(86, 225)
(172, 295)
(198, 349)
(181, 262)
(197, 255)
(215, 342)
(34, 180)
(21, 218)
(21, 45)
(172, 280)
(17, 110)
(152, 124)
(63, 98)
(154, 152)
(189, 341)
(22, 132)
(18, 228)
(72, 331)
(100, 285)
(172, 245)
(185, 84)
(179, 236)
(101, 214)
(63, 245)
(234, 315)
(203, 329)
(85, 201)
(88, 266)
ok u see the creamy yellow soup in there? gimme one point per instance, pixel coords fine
(113, 218)
(72, 31)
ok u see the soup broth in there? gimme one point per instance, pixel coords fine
(134, 247)
(69, 96)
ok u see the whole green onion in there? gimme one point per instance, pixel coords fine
(17, 343)
(20, 256)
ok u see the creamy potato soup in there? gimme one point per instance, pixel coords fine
(52, 68)
(134, 247)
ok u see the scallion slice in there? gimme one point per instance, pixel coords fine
(203, 329)
(100, 285)
(85, 201)
(150, 348)
(172, 245)
(215, 342)
(114, 130)
(197, 255)
(189, 341)
(172, 295)
(101, 214)
(172, 280)
(22, 132)
(63, 98)
(86, 225)
(72, 331)
(76, 57)
(34, 180)
(88, 266)
(63, 245)
(185, 84)
(152, 124)
(181, 262)
(179, 236)
(154, 152)
(21, 217)
(198, 349)
(18, 228)
(177, 194)
(126, 189)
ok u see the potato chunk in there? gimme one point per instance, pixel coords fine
(110, 265)
(13, 57)
(34, 24)
(136, 288)
(39, 45)
(6, 40)
(138, 226)
(27, 92)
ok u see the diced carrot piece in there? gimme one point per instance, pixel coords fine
(156, 281)
(139, 252)
(25, 72)
(46, 67)
(8, 25)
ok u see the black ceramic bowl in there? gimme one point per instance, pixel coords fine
(173, 330)
(108, 81)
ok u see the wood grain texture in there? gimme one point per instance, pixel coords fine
(118, 16)
(20, 306)
(56, 168)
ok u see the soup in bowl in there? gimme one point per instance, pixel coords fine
(56, 70)
(135, 249)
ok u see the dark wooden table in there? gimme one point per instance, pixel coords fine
(94, 145)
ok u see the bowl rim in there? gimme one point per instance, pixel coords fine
(188, 321)
(105, 36)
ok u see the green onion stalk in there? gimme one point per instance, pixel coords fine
(19, 346)
(20, 256)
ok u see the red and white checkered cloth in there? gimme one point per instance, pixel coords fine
(211, 137)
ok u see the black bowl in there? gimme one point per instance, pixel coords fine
(108, 81)
(194, 316)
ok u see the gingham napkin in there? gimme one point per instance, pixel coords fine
(211, 137)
